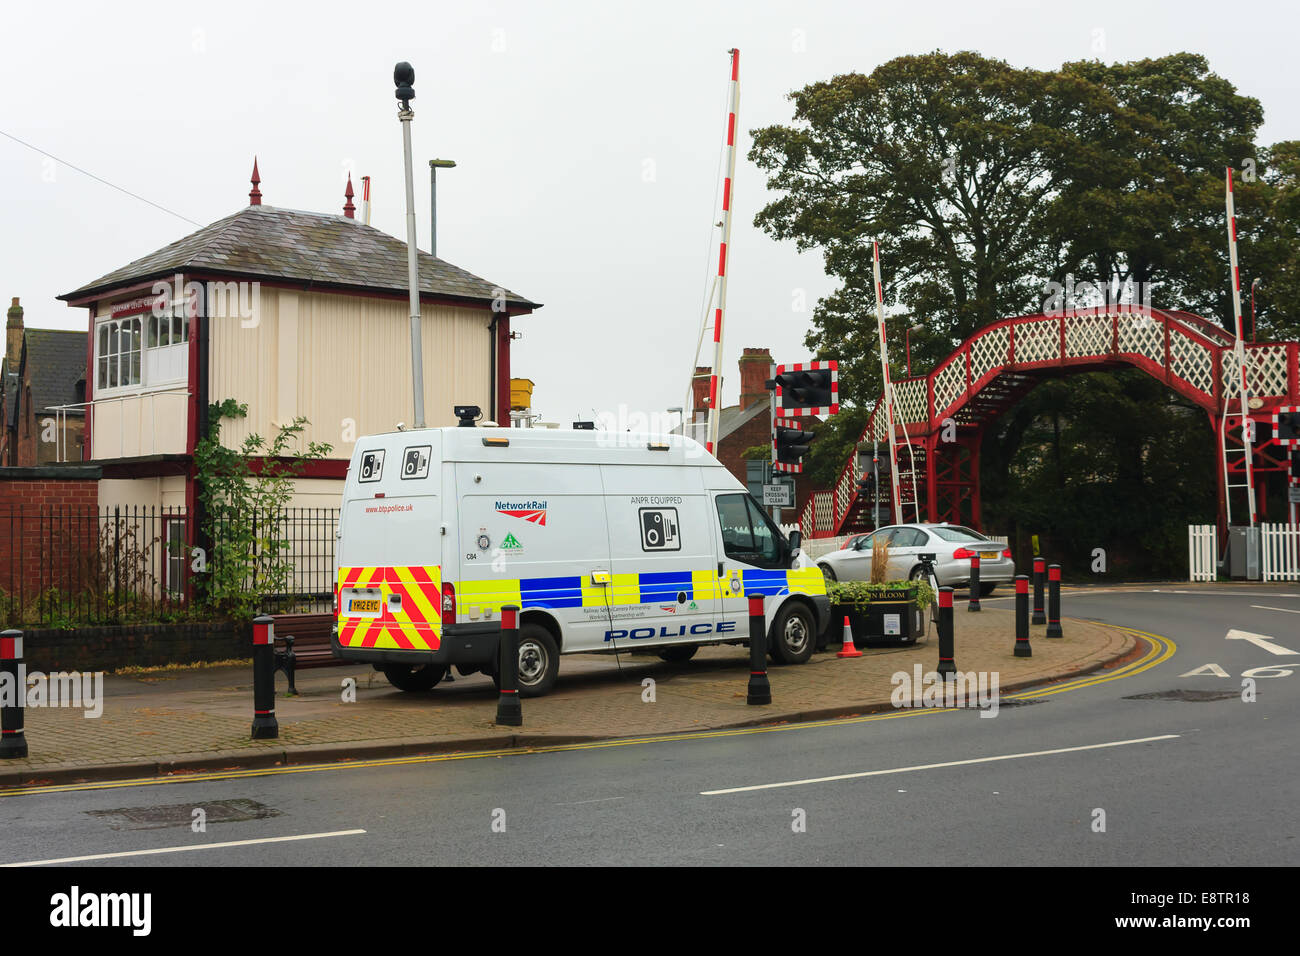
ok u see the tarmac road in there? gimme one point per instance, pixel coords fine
(1180, 782)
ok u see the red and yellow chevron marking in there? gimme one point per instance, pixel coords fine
(417, 626)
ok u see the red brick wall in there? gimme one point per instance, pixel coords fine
(36, 492)
(48, 529)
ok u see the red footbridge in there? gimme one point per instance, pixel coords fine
(943, 414)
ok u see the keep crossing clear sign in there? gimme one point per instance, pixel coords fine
(780, 496)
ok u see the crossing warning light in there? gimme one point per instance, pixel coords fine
(1286, 425)
(789, 444)
(807, 388)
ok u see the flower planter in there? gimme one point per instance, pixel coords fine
(890, 617)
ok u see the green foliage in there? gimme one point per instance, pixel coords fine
(986, 184)
(859, 594)
(243, 511)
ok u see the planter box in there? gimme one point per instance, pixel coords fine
(892, 618)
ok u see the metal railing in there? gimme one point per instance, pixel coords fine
(79, 566)
(61, 420)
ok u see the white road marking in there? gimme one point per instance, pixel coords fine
(581, 802)
(1259, 640)
(1285, 610)
(1207, 670)
(936, 766)
(184, 849)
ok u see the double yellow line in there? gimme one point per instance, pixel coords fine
(1159, 649)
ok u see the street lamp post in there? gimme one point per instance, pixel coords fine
(434, 166)
(1254, 282)
(907, 338)
(404, 80)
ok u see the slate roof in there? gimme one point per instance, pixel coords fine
(56, 361)
(265, 242)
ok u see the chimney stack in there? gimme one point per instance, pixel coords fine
(700, 391)
(255, 194)
(754, 367)
(14, 335)
(349, 210)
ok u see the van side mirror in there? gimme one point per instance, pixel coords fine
(795, 539)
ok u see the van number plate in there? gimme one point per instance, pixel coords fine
(364, 605)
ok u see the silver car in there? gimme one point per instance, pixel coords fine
(953, 545)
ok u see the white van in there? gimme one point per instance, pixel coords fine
(606, 541)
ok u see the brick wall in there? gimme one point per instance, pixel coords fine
(145, 645)
(48, 528)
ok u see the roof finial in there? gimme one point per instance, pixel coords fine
(348, 208)
(255, 196)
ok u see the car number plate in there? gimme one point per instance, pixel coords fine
(988, 555)
(364, 604)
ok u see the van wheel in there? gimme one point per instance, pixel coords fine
(678, 654)
(793, 635)
(414, 677)
(539, 661)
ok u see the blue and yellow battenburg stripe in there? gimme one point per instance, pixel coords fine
(419, 625)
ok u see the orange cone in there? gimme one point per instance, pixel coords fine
(848, 650)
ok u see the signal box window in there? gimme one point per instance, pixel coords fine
(747, 535)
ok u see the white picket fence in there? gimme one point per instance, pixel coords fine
(1202, 552)
(1280, 544)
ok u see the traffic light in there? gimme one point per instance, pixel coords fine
(789, 444)
(807, 388)
(1286, 425)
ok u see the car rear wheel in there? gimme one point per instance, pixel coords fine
(828, 573)
(793, 636)
(415, 677)
(986, 589)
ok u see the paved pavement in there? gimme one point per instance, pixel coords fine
(171, 721)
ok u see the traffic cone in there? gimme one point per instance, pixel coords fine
(848, 650)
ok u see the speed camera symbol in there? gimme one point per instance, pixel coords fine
(659, 531)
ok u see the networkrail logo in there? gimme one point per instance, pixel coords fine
(533, 512)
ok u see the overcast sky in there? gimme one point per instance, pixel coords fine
(587, 137)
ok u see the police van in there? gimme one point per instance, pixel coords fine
(606, 541)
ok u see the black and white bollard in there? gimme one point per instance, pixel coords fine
(760, 691)
(946, 665)
(13, 742)
(1040, 572)
(1022, 617)
(510, 712)
(265, 726)
(1054, 601)
(974, 604)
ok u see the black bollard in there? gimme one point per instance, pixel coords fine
(760, 691)
(1054, 601)
(1040, 572)
(1022, 617)
(13, 742)
(265, 726)
(509, 711)
(974, 604)
(946, 665)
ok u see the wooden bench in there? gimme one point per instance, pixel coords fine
(306, 640)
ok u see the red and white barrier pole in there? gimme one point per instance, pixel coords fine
(1240, 349)
(727, 197)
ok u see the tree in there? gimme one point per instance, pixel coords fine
(952, 162)
(243, 511)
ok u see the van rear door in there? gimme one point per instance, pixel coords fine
(390, 554)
